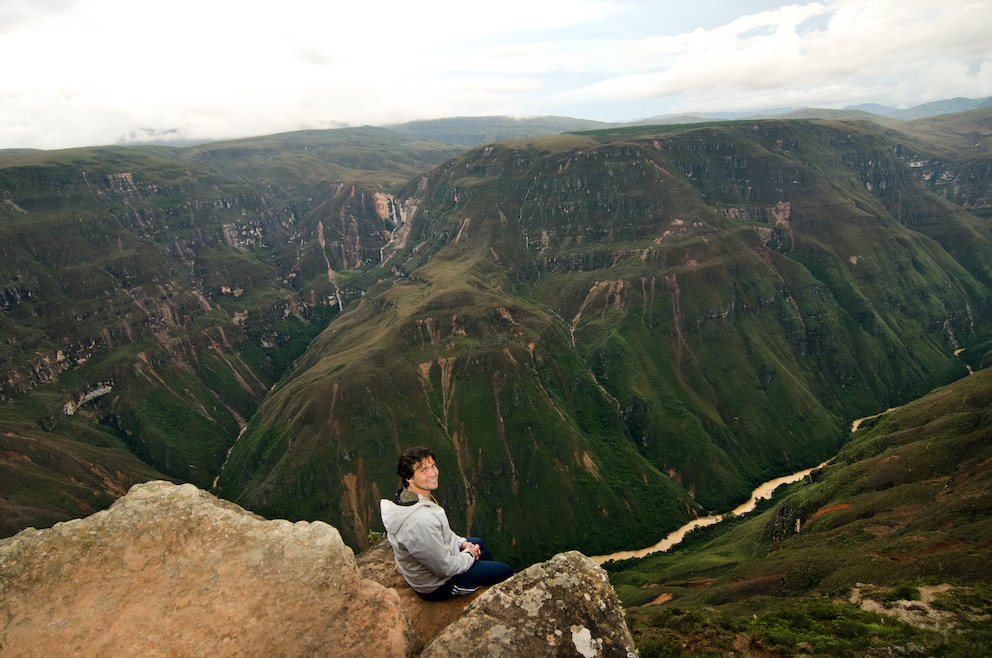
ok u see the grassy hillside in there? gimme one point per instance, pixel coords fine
(47, 479)
(604, 334)
(888, 546)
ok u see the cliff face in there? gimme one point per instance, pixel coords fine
(165, 259)
(172, 570)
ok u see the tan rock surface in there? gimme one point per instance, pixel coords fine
(428, 618)
(562, 607)
(172, 570)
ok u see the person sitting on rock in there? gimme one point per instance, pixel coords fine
(434, 561)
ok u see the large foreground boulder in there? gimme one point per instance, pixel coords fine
(562, 607)
(174, 571)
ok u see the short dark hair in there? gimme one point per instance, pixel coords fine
(409, 460)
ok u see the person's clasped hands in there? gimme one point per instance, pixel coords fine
(472, 548)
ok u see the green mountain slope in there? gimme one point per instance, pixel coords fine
(150, 297)
(47, 479)
(902, 514)
(603, 334)
(950, 154)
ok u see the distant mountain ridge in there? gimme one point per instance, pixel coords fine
(473, 131)
(869, 111)
(468, 132)
(935, 108)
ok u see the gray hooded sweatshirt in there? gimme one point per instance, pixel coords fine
(427, 552)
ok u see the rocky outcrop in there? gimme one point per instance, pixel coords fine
(428, 618)
(173, 570)
(562, 607)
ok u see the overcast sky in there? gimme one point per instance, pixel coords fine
(90, 72)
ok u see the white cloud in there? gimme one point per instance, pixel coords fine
(89, 71)
(886, 51)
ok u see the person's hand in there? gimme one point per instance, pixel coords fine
(472, 548)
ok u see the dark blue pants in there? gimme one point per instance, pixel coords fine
(483, 572)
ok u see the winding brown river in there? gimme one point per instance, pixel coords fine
(763, 492)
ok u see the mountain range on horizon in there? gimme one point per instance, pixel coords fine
(436, 128)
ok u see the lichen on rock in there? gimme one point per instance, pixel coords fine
(562, 607)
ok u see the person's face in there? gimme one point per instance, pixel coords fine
(424, 478)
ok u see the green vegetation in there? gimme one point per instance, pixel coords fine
(599, 324)
(891, 550)
(187, 280)
(46, 480)
(601, 334)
